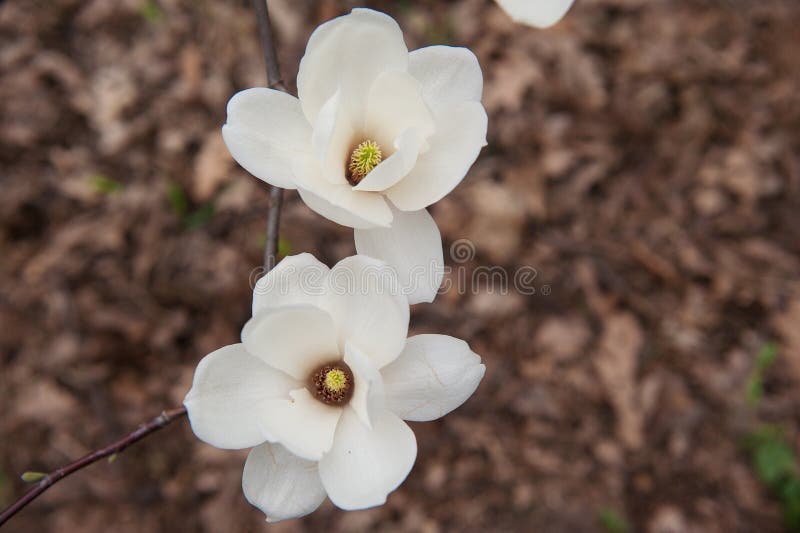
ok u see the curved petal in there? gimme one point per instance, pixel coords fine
(293, 339)
(413, 247)
(265, 131)
(434, 375)
(396, 166)
(447, 74)
(365, 465)
(370, 310)
(394, 105)
(296, 279)
(340, 203)
(538, 14)
(229, 396)
(368, 392)
(282, 485)
(460, 135)
(302, 423)
(349, 52)
(334, 133)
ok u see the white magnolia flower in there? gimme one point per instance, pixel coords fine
(375, 136)
(321, 384)
(538, 13)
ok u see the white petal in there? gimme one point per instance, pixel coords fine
(340, 203)
(303, 424)
(282, 485)
(368, 393)
(434, 375)
(365, 464)
(540, 14)
(229, 396)
(395, 104)
(297, 279)
(371, 311)
(448, 74)
(349, 52)
(413, 247)
(396, 166)
(294, 339)
(334, 133)
(460, 135)
(266, 130)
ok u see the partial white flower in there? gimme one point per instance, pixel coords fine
(375, 136)
(538, 13)
(321, 384)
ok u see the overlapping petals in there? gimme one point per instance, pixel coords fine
(257, 393)
(231, 394)
(325, 377)
(361, 295)
(414, 250)
(357, 82)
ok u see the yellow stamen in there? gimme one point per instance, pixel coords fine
(363, 160)
(335, 380)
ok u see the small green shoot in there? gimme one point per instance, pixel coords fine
(32, 477)
(199, 217)
(179, 201)
(612, 521)
(284, 247)
(775, 464)
(755, 385)
(150, 11)
(104, 184)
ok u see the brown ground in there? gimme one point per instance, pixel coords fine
(643, 158)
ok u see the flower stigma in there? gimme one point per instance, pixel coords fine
(332, 383)
(335, 380)
(365, 157)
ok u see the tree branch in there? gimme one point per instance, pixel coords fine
(114, 448)
(274, 81)
(270, 257)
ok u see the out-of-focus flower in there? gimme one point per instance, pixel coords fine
(538, 13)
(375, 136)
(321, 384)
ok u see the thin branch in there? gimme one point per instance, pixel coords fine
(114, 448)
(274, 81)
(273, 222)
(270, 256)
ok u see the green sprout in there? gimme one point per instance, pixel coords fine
(179, 201)
(775, 463)
(755, 385)
(150, 11)
(612, 521)
(104, 184)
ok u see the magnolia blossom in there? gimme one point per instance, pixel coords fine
(538, 13)
(375, 136)
(321, 384)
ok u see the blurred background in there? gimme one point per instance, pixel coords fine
(643, 159)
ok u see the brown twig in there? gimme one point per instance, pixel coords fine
(270, 256)
(274, 81)
(116, 447)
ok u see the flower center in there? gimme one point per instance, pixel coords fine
(365, 157)
(332, 383)
(335, 380)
